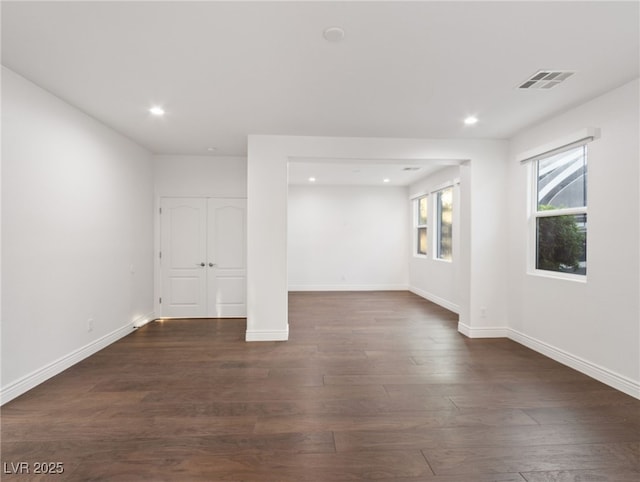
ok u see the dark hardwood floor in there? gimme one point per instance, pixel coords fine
(370, 386)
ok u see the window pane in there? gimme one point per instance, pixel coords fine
(562, 244)
(445, 223)
(422, 241)
(562, 180)
(422, 211)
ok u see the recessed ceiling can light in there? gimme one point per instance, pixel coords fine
(157, 110)
(333, 34)
(471, 120)
(386, 180)
(312, 179)
(211, 149)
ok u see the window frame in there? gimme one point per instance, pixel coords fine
(417, 226)
(535, 214)
(437, 241)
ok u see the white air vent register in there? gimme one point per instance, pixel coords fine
(545, 79)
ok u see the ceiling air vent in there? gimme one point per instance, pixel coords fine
(546, 79)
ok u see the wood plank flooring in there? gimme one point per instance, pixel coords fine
(371, 386)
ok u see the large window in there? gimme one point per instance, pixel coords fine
(560, 211)
(420, 221)
(444, 220)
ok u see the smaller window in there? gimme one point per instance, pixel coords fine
(560, 211)
(444, 223)
(421, 225)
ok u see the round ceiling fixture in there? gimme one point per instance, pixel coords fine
(333, 34)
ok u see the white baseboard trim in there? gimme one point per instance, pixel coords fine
(483, 332)
(604, 375)
(144, 319)
(41, 375)
(265, 335)
(436, 299)
(383, 287)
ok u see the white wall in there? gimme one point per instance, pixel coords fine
(347, 238)
(482, 225)
(208, 176)
(593, 326)
(430, 278)
(77, 202)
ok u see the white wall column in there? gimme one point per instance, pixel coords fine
(267, 187)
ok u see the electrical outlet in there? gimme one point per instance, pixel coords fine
(90, 325)
(483, 312)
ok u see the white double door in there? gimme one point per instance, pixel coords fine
(203, 257)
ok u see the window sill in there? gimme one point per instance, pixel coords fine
(441, 260)
(576, 278)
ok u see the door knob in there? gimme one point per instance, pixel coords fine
(211, 265)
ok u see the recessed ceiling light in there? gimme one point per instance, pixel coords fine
(157, 110)
(386, 180)
(312, 179)
(333, 34)
(471, 120)
(211, 149)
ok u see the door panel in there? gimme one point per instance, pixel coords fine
(226, 269)
(228, 236)
(184, 291)
(184, 249)
(231, 290)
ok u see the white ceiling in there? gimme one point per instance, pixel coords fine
(224, 70)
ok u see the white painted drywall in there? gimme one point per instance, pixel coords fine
(205, 176)
(431, 278)
(483, 229)
(594, 325)
(347, 237)
(77, 238)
